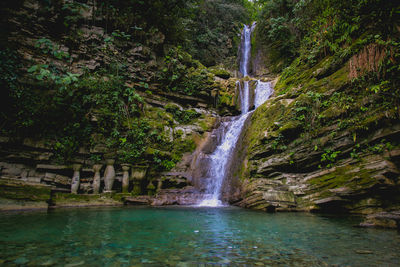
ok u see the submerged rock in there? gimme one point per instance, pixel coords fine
(383, 220)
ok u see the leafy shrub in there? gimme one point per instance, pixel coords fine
(181, 115)
(183, 74)
(329, 157)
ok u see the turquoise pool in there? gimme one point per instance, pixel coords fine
(188, 236)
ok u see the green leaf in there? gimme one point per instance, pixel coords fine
(33, 68)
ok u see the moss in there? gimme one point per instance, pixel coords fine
(291, 129)
(263, 123)
(299, 75)
(172, 107)
(158, 117)
(150, 189)
(63, 199)
(220, 72)
(339, 78)
(354, 177)
(254, 44)
(120, 197)
(227, 97)
(152, 151)
(181, 146)
(206, 123)
(22, 191)
(181, 115)
(332, 113)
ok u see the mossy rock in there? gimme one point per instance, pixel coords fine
(206, 123)
(220, 72)
(172, 107)
(16, 190)
(332, 113)
(291, 129)
(152, 151)
(355, 177)
(263, 122)
(63, 199)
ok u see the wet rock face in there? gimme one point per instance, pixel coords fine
(21, 195)
(186, 196)
(383, 220)
(297, 177)
(32, 161)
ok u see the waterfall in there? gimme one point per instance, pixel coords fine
(244, 94)
(245, 49)
(221, 159)
(263, 91)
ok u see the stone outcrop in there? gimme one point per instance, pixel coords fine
(383, 220)
(23, 195)
(186, 196)
(294, 179)
(33, 160)
(293, 163)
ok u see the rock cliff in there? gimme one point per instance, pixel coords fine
(50, 51)
(322, 144)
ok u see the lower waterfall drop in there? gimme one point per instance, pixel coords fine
(221, 157)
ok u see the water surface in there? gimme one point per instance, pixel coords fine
(191, 236)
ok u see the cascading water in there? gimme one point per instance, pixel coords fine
(244, 94)
(263, 91)
(245, 49)
(221, 158)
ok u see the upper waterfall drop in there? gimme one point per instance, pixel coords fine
(245, 49)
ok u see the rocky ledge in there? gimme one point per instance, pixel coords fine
(383, 220)
(186, 196)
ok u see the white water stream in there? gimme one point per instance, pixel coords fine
(221, 158)
(245, 49)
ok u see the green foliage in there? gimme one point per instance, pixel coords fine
(122, 35)
(117, 34)
(384, 82)
(278, 143)
(184, 75)
(44, 73)
(380, 147)
(314, 29)
(307, 109)
(181, 115)
(11, 90)
(72, 12)
(213, 28)
(134, 142)
(49, 48)
(104, 108)
(291, 160)
(329, 158)
(163, 163)
(95, 158)
(355, 153)
(65, 148)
